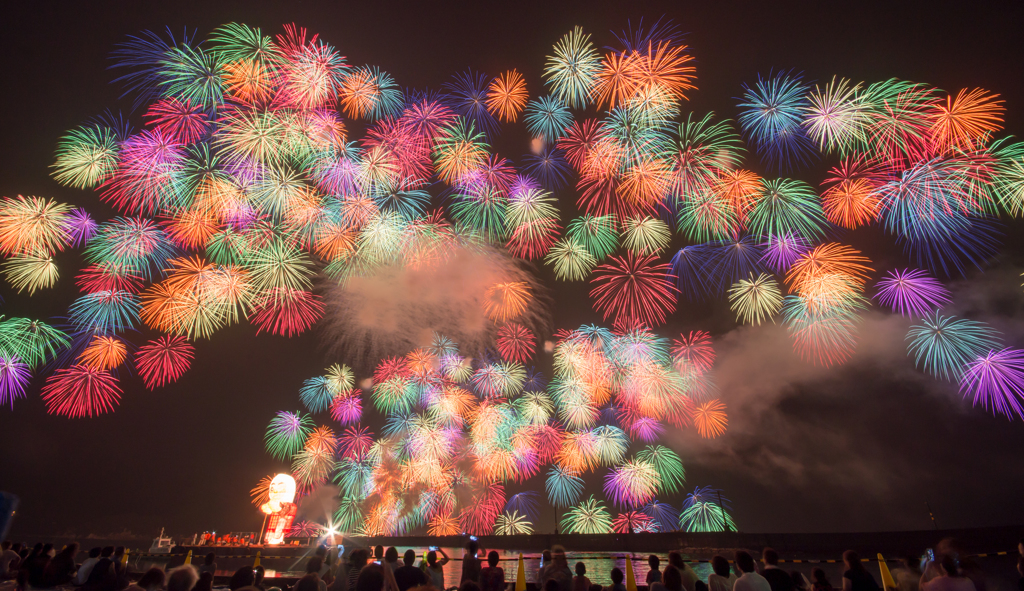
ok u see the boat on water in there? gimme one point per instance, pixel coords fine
(161, 544)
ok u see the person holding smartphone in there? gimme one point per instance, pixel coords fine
(435, 567)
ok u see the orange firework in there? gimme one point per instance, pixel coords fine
(192, 228)
(261, 492)
(248, 81)
(103, 353)
(741, 188)
(965, 121)
(710, 419)
(359, 93)
(334, 241)
(616, 80)
(507, 96)
(663, 64)
(851, 202)
(831, 259)
(322, 440)
(507, 301)
(444, 525)
(645, 183)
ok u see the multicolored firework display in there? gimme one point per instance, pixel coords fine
(271, 177)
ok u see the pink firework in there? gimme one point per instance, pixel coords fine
(347, 408)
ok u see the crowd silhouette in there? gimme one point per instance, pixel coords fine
(42, 566)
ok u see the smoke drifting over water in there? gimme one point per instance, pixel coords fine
(397, 309)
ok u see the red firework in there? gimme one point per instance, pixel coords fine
(516, 342)
(163, 360)
(635, 289)
(81, 391)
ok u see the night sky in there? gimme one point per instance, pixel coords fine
(860, 447)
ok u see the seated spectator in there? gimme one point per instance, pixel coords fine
(671, 580)
(205, 582)
(800, 582)
(616, 585)
(209, 564)
(701, 585)
(856, 577)
(182, 578)
(580, 582)
(61, 570)
(722, 579)
(688, 575)
(820, 580)
(408, 576)
(596, 587)
(103, 576)
(9, 560)
(776, 577)
(87, 565)
(469, 586)
(653, 575)
(951, 578)
(749, 580)
(152, 580)
(243, 577)
(35, 567)
(492, 576)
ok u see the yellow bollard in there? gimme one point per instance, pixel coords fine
(521, 575)
(188, 557)
(887, 581)
(257, 561)
(630, 577)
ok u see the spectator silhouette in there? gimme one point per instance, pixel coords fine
(471, 563)
(856, 577)
(776, 577)
(408, 576)
(749, 580)
(722, 577)
(653, 575)
(580, 582)
(820, 580)
(492, 576)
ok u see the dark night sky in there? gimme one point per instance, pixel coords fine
(857, 448)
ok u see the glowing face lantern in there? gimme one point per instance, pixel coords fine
(280, 508)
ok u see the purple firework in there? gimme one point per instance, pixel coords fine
(911, 292)
(781, 251)
(80, 226)
(14, 377)
(996, 381)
